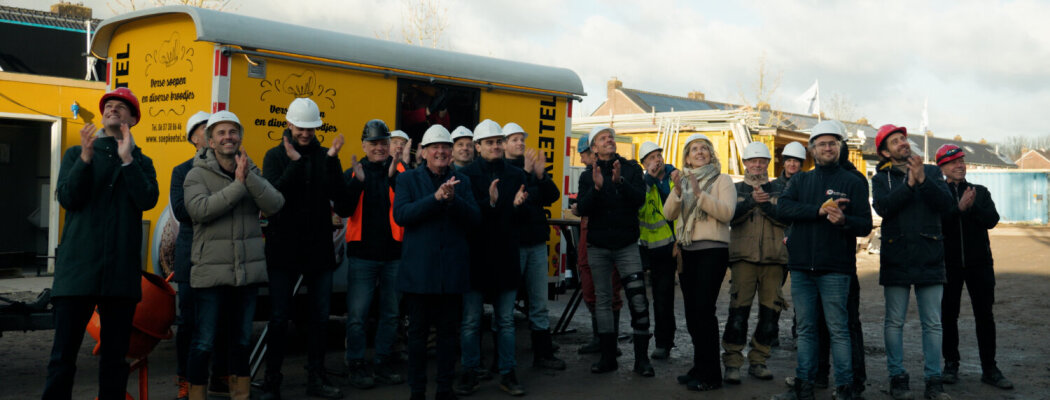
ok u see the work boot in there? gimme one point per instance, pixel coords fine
(760, 371)
(660, 353)
(219, 386)
(950, 374)
(843, 392)
(317, 385)
(183, 388)
(240, 387)
(592, 347)
(900, 388)
(642, 366)
(467, 383)
(361, 375)
(732, 375)
(271, 386)
(800, 390)
(387, 374)
(509, 383)
(995, 378)
(543, 352)
(935, 390)
(197, 392)
(608, 361)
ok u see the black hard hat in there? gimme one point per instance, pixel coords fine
(375, 130)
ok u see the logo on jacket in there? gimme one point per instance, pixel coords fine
(832, 192)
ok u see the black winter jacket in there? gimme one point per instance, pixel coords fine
(814, 243)
(299, 237)
(377, 242)
(542, 193)
(966, 232)
(912, 243)
(612, 211)
(495, 265)
(184, 240)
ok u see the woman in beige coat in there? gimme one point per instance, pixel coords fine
(702, 202)
(224, 193)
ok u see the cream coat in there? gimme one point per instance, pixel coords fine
(228, 246)
(719, 206)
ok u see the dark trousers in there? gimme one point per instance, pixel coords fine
(187, 324)
(856, 336)
(445, 312)
(701, 280)
(222, 308)
(980, 283)
(662, 266)
(318, 300)
(71, 316)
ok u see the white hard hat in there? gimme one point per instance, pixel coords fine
(756, 150)
(223, 116)
(436, 134)
(399, 134)
(487, 129)
(646, 148)
(796, 150)
(694, 137)
(196, 119)
(461, 132)
(512, 128)
(827, 128)
(304, 113)
(596, 130)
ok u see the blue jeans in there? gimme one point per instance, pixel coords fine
(502, 319)
(232, 306)
(534, 273)
(186, 322)
(362, 277)
(928, 299)
(832, 290)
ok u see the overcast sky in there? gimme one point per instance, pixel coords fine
(984, 66)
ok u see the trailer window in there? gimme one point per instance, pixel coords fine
(422, 104)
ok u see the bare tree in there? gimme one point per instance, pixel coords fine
(423, 23)
(840, 107)
(123, 6)
(759, 96)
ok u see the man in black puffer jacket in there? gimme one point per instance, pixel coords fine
(299, 240)
(533, 241)
(821, 244)
(611, 192)
(495, 266)
(968, 259)
(911, 197)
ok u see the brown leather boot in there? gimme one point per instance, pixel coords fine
(240, 387)
(198, 392)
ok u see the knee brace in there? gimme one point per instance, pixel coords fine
(634, 287)
(736, 326)
(767, 329)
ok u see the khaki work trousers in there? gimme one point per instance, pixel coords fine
(746, 281)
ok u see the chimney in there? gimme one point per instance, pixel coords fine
(71, 10)
(612, 85)
(696, 95)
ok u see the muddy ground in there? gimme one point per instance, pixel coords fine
(1022, 311)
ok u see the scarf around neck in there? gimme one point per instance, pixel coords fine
(694, 180)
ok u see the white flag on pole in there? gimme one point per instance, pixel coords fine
(924, 125)
(811, 98)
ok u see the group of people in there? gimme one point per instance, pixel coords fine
(465, 225)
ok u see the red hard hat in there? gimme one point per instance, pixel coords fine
(885, 131)
(947, 153)
(124, 94)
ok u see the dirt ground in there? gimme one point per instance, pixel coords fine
(1022, 311)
